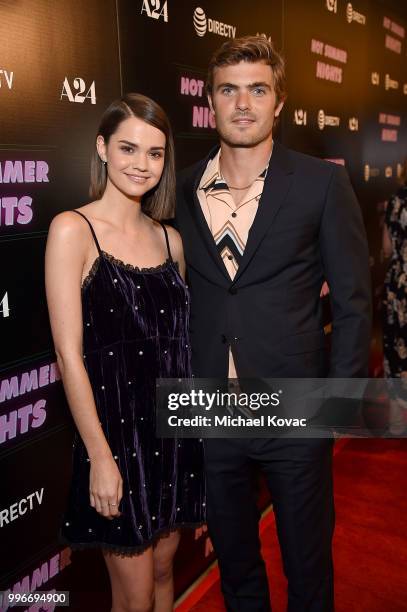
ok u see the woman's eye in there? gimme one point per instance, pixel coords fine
(126, 149)
(156, 155)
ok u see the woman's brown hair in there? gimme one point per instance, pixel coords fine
(159, 203)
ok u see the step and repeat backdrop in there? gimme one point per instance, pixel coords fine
(61, 64)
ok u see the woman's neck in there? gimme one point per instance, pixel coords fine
(121, 209)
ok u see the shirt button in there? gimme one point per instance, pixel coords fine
(230, 256)
(234, 214)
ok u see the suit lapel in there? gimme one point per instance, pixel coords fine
(194, 207)
(276, 186)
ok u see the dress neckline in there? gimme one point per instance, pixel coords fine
(126, 266)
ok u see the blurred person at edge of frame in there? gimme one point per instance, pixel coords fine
(395, 306)
(119, 311)
(263, 227)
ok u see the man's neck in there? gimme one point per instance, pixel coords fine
(241, 165)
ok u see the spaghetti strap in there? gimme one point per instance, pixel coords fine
(91, 229)
(167, 241)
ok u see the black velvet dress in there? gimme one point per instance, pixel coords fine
(135, 329)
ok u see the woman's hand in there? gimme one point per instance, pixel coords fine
(199, 532)
(105, 487)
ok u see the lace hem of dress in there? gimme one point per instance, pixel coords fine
(125, 266)
(128, 551)
(91, 273)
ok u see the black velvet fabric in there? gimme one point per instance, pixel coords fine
(135, 329)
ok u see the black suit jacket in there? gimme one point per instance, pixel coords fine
(308, 228)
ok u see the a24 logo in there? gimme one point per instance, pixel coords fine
(4, 307)
(155, 9)
(79, 93)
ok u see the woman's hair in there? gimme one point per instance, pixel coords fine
(249, 49)
(159, 202)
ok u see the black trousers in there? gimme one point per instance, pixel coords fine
(299, 477)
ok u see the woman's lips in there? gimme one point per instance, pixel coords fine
(137, 179)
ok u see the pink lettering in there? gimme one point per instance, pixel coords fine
(392, 44)
(202, 117)
(8, 426)
(25, 212)
(42, 172)
(9, 205)
(8, 389)
(28, 171)
(389, 135)
(23, 414)
(329, 72)
(317, 46)
(39, 413)
(29, 381)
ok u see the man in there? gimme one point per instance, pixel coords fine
(263, 227)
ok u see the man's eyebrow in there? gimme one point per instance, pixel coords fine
(260, 84)
(226, 85)
(249, 86)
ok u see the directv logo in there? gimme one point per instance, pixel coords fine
(203, 24)
(200, 22)
(330, 120)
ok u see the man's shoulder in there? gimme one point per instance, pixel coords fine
(306, 162)
(196, 168)
(190, 171)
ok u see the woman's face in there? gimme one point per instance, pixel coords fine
(135, 156)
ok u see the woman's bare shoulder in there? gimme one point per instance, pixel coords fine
(70, 228)
(175, 241)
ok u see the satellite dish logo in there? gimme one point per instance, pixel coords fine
(200, 22)
(321, 119)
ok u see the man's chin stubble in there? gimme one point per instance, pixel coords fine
(247, 143)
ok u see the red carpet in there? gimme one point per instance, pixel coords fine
(370, 547)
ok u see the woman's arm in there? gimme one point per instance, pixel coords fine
(67, 246)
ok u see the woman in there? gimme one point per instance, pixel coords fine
(395, 306)
(119, 310)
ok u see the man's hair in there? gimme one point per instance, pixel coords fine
(249, 49)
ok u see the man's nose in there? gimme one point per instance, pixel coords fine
(242, 101)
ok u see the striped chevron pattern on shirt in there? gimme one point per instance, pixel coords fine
(229, 223)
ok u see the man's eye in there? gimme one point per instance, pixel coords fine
(227, 91)
(259, 91)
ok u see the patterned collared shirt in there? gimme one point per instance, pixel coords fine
(229, 223)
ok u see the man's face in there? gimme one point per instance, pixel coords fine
(243, 101)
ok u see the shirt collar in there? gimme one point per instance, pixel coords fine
(212, 175)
